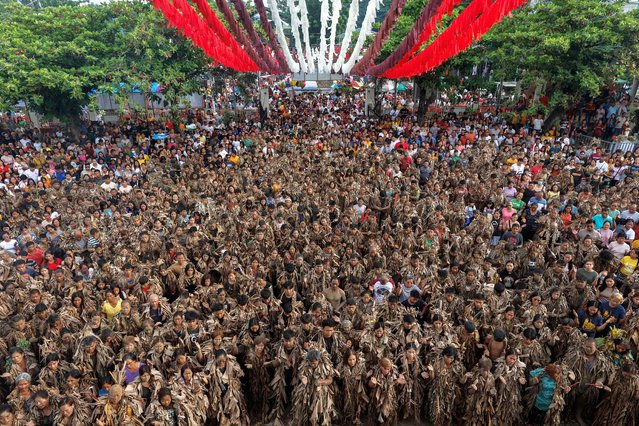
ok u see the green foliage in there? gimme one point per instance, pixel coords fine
(574, 45)
(54, 56)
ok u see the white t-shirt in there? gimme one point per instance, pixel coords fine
(518, 168)
(109, 186)
(619, 250)
(381, 291)
(9, 246)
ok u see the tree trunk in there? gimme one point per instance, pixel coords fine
(75, 126)
(633, 88)
(425, 96)
(553, 116)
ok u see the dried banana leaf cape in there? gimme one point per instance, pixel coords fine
(227, 403)
(412, 394)
(556, 409)
(128, 412)
(314, 403)
(352, 391)
(193, 398)
(283, 360)
(81, 414)
(588, 372)
(383, 397)
(480, 399)
(157, 415)
(259, 391)
(508, 403)
(444, 393)
(621, 405)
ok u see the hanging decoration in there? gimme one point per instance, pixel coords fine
(240, 47)
(279, 27)
(310, 63)
(461, 33)
(365, 31)
(336, 10)
(321, 54)
(446, 8)
(183, 17)
(272, 38)
(382, 35)
(239, 35)
(409, 41)
(295, 30)
(218, 28)
(353, 12)
(271, 63)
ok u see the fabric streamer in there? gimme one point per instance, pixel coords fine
(321, 54)
(182, 16)
(465, 18)
(446, 8)
(307, 38)
(461, 33)
(239, 35)
(218, 28)
(247, 23)
(336, 10)
(294, 66)
(382, 35)
(409, 41)
(272, 38)
(295, 30)
(365, 31)
(351, 22)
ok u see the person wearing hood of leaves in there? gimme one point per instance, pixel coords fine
(315, 392)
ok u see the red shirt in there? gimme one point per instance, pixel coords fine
(53, 266)
(37, 256)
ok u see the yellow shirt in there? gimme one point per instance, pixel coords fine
(111, 311)
(628, 265)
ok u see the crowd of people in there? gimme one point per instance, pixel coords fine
(319, 268)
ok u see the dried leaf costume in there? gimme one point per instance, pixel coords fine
(621, 406)
(383, 395)
(225, 391)
(413, 392)
(508, 402)
(480, 402)
(444, 393)
(352, 389)
(314, 394)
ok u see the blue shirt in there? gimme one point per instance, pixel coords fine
(600, 220)
(546, 389)
(588, 324)
(618, 312)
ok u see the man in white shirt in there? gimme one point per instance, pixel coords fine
(108, 185)
(9, 244)
(631, 213)
(32, 173)
(538, 124)
(601, 166)
(518, 167)
(382, 288)
(619, 248)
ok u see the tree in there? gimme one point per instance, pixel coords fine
(575, 46)
(53, 57)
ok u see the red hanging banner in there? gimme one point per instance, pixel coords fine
(461, 33)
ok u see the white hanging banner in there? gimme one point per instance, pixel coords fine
(353, 12)
(321, 57)
(335, 13)
(365, 31)
(295, 30)
(307, 39)
(281, 38)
